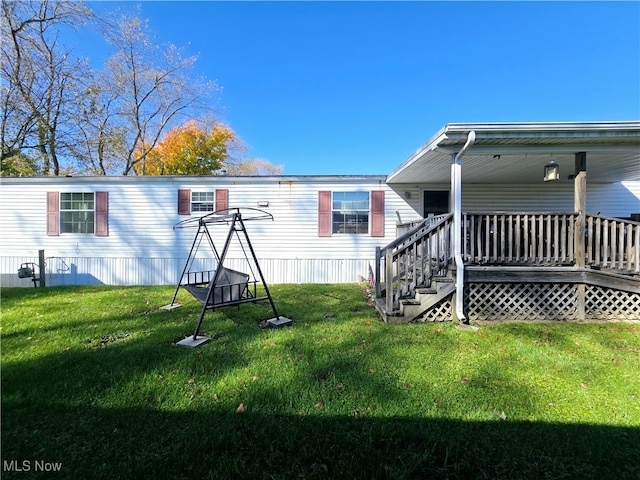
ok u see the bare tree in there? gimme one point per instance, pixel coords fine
(101, 137)
(39, 79)
(153, 88)
(66, 118)
(252, 166)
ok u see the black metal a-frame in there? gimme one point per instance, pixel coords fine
(223, 286)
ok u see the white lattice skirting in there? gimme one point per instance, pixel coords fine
(440, 312)
(547, 301)
(607, 304)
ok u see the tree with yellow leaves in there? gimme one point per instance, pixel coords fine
(188, 150)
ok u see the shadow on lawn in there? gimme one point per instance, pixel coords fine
(95, 409)
(118, 443)
(63, 423)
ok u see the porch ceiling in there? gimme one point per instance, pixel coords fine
(517, 153)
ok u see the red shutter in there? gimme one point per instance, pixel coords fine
(377, 213)
(324, 214)
(102, 214)
(222, 199)
(53, 213)
(184, 202)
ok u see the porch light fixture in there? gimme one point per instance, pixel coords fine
(551, 171)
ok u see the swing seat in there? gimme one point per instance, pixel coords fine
(231, 287)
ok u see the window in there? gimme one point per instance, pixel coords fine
(350, 212)
(77, 212)
(194, 202)
(202, 201)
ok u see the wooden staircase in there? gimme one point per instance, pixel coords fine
(424, 298)
(417, 273)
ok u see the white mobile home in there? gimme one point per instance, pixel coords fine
(119, 230)
(484, 221)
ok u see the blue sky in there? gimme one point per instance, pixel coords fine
(356, 87)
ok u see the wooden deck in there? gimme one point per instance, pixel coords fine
(507, 253)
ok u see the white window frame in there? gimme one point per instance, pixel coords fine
(199, 205)
(77, 214)
(352, 216)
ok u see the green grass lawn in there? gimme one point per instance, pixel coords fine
(92, 380)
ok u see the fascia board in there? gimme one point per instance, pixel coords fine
(427, 147)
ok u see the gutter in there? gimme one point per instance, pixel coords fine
(456, 183)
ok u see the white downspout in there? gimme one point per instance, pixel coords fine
(456, 186)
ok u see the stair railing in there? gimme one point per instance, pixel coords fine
(413, 259)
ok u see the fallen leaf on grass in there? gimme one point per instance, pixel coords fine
(464, 381)
(503, 416)
(241, 408)
(584, 385)
(319, 405)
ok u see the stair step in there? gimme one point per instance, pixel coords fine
(409, 301)
(443, 279)
(426, 290)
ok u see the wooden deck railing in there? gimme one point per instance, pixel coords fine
(504, 238)
(543, 238)
(521, 238)
(613, 243)
(413, 259)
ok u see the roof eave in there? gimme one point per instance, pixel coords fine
(453, 135)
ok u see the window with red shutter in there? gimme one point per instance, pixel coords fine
(222, 199)
(377, 213)
(102, 214)
(184, 202)
(324, 214)
(53, 213)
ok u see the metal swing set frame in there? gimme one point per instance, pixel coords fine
(223, 286)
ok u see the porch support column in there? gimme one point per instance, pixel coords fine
(580, 206)
(456, 196)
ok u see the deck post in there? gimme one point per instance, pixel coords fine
(580, 206)
(377, 272)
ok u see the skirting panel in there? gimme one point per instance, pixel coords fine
(607, 304)
(521, 301)
(440, 312)
(166, 271)
(547, 301)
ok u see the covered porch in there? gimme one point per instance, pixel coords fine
(548, 259)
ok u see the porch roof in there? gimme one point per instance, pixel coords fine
(518, 152)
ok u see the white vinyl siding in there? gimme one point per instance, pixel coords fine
(143, 247)
(609, 199)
